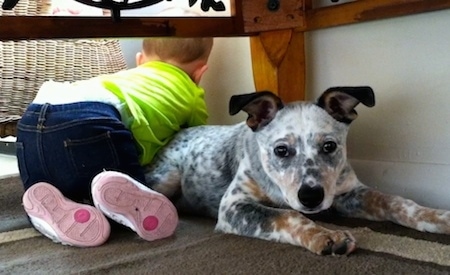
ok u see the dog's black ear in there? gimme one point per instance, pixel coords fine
(261, 107)
(340, 102)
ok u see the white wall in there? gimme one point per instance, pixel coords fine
(399, 146)
(402, 144)
(229, 73)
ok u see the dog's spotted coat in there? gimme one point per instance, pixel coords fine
(258, 177)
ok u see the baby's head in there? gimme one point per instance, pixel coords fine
(189, 54)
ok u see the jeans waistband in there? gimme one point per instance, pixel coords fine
(79, 107)
(39, 114)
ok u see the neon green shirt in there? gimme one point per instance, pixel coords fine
(161, 99)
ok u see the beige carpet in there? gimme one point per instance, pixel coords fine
(384, 248)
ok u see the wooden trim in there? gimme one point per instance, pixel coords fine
(257, 16)
(367, 10)
(306, 19)
(56, 27)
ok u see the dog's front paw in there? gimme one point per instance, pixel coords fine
(333, 243)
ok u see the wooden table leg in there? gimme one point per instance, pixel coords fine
(278, 61)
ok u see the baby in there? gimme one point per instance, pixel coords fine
(86, 142)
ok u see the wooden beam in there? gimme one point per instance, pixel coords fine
(270, 15)
(367, 10)
(278, 62)
(250, 18)
(57, 27)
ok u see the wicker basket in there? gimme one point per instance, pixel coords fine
(25, 65)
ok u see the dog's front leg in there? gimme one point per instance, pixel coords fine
(240, 214)
(364, 202)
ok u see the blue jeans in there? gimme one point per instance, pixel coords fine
(68, 145)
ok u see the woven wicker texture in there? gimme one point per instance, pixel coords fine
(25, 65)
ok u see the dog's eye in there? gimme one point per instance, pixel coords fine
(281, 151)
(329, 147)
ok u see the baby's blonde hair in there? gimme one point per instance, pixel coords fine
(182, 50)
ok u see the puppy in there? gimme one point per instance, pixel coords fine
(259, 177)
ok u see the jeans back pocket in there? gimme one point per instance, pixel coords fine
(91, 155)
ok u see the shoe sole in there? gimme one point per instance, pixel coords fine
(150, 214)
(63, 220)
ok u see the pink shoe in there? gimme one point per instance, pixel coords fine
(63, 220)
(150, 214)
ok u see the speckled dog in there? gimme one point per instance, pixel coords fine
(258, 177)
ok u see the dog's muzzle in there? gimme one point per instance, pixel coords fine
(311, 197)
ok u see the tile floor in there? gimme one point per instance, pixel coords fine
(8, 166)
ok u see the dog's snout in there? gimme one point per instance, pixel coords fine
(311, 196)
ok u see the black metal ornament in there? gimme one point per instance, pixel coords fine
(116, 6)
(9, 4)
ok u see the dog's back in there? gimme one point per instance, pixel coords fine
(201, 162)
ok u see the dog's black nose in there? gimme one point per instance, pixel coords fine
(311, 196)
